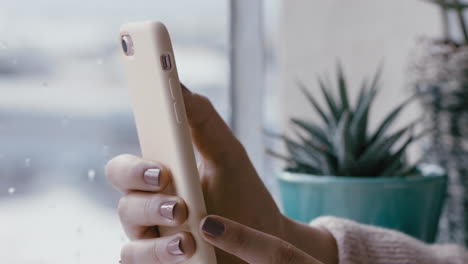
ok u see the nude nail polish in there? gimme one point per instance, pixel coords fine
(167, 209)
(175, 247)
(213, 227)
(151, 176)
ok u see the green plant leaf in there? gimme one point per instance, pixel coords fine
(313, 130)
(328, 165)
(342, 87)
(407, 170)
(299, 151)
(457, 5)
(343, 146)
(391, 169)
(381, 147)
(393, 163)
(359, 122)
(375, 81)
(362, 93)
(315, 149)
(322, 149)
(314, 103)
(375, 84)
(388, 121)
(325, 156)
(360, 119)
(304, 166)
(303, 169)
(332, 106)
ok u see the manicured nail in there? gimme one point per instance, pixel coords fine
(175, 247)
(167, 209)
(213, 227)
(151, 176)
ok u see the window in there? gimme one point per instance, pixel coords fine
(65, 112)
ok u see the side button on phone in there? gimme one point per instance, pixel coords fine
(171, 87)
(176, 114)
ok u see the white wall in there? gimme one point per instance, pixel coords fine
(361, 33)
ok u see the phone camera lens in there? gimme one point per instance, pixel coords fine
(127, 45)
(124, 46)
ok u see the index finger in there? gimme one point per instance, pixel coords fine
(211, 135)
(250, 245)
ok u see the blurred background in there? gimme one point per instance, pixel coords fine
(64, 108)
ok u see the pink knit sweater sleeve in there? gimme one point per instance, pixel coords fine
(364, 244)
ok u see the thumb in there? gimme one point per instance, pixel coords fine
(250, 245)
(210, 134)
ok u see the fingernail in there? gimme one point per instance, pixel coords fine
(213, 227)
(167, 209)
(185, 88)
(175, 247)
(151, 176)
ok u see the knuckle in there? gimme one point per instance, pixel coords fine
(239, 149)
(285, 253)
(149, 207)
(239, 241)
(207, 107)
(126, 254)
(122, 207)
(233, 154)
(155, 253)
(203, 99)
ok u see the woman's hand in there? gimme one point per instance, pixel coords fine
(251, 245)
(142, 208)
(231, 188)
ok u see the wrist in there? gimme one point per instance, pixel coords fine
(317, 242)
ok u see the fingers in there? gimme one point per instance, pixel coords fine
(212, 137)
(250, 245)
(127, 172)
(171, 249)
(139, 211)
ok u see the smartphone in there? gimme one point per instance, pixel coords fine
(161, 121)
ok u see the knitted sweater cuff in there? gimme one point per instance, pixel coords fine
(364, 244)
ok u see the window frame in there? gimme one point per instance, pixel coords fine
(247, 72)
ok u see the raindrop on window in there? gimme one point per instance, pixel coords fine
(99, 61)
(45, 84)
(105, 150)
(65, 121)
(3, 45)
(27, 162)
(91, 175)
(11, 190)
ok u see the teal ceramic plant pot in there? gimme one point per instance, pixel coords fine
(409, 204)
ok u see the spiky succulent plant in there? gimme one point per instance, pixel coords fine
(341, 145)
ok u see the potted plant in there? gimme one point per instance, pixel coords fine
(438, 73)
(337, 167)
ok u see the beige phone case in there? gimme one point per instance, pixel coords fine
(163, 131)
